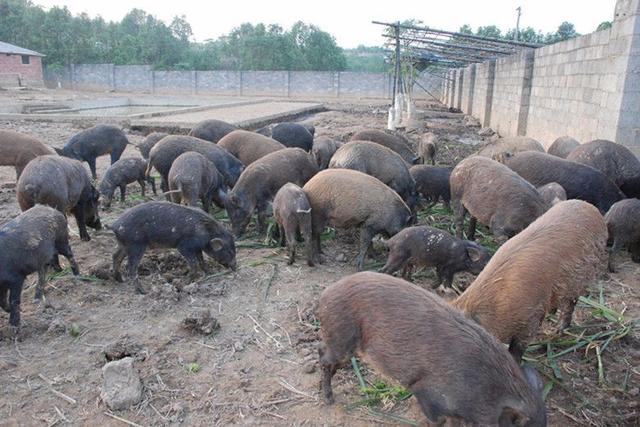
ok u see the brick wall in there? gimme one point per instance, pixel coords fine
(12, 69)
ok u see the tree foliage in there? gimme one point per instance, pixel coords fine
(565, 31)
(141, 38)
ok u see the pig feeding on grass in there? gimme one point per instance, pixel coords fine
(454, 368)
(292, 213)
(322, 150)
(17, 149)
(432, 182)
(423, 246)
(29, 243)
(494, 195)
(152, 139)
(260, 182)
(63, 184)
(392, 142)
(193, 177)
(294, 135)
(427, 149)
(544, 268)
(623, 223)
(123, 172)
(94, 142)
(344, 198)
(168, 225)
(212, 130)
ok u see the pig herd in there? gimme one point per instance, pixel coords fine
(554, 211)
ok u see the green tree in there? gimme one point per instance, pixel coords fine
(604, 25)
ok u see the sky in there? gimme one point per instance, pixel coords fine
(350, 21)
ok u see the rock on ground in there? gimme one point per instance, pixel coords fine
(121, 386)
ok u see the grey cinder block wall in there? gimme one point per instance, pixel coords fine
(587, 87)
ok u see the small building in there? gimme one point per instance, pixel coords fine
(20, 66)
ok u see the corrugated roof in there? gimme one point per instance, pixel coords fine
(17, 50)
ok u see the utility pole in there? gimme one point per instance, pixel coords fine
(519, 9)
(396, 77)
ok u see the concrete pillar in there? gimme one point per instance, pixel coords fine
(525, 94)
(488, 103)
(287, 83)
(460, 88)
(453, 79)
(472, 86)
(194, 81)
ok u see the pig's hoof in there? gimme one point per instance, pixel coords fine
(85, 238)
(117, 276)
(310, 263)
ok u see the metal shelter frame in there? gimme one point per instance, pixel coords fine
(439, 49)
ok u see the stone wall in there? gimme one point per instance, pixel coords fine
(142, 78)
(587, 87)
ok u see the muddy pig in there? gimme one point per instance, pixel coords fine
(167, 225)
(152, 139)
(323, 149)
(616, 161)
(552, 193)
(380, 162)
(293, 135)
(169, 148)
(17, 149)
(344, 198)
(212, 130)
(451, 365)
(248, 146)
(390, 141)
(123, 172)
(260, 182)
(579, 181)
(623, 223)
(424, 246)
(193, 177)
(544, 268)
(96, 141)
(63, 184)
(494, 195)
(427, 149)
(562, 146)
(28, 244)
(292, 213)
(432, 182)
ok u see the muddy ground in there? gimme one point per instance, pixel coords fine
(260, 366)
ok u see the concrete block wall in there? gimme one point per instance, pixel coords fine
(587, 87)
(218, 82)
(130, 78)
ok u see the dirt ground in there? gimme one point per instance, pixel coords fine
(260, 367)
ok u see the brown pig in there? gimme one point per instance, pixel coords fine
(17, 149)
(390, 141)
(292, 212)
(248, 146)
(623, 223)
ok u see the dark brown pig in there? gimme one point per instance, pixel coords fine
(344, 198)
(579, 181)
(505, 147)
(17, 149)
(390, 141)
(212, 130)
(260, 182)
(292, 213)
(248, 146)
(63, 184)
(494, 195)
(123, 172)
(427, 149)
(152, 139)
(616, 161)
(432, 182)
(378, 161)
(623, 223)
(544, 268)
(193, 177)
(453, 367)
(28, 244)
(552, 193)
(424, 246)
(294, 135)
(323, 149)
(169, 148)
(96, 141)
(562, 146)
(168, 225)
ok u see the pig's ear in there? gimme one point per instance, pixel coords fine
(216, 244)
(58, 151)
(511, 417)
(475, 253)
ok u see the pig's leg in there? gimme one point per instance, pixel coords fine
(65, 250)
(143, 187)
(4, 302)
(201, 263)
(42, 280)
(152, 181)
(329, 365)
(15, 294)
(566, 312)
(459, 211)
(394, 263)
(366, 235)
(118, 257)
(472, 228)
(192, 259)
(92, 166)
(55, 263)
(123, 190)
(78, 213)
(290, 234)
(261, 218)
(164, 186)
(135, 254)
(305, 228)
(432, 408)
(615, 248)
(517, 348)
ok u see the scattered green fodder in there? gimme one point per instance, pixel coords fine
(378, 393)
(193, 368)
